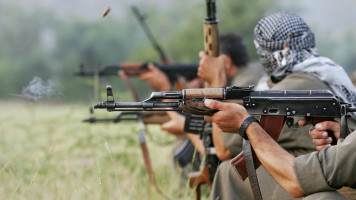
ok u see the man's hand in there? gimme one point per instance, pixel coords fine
(174, 126)
(229, 117)
(320, 135)
(155, 78)
(213, 70)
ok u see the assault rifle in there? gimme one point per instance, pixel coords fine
(173, 71)
(275, 107)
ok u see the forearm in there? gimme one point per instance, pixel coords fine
(221, 151)
(278, 162)
(197, 142)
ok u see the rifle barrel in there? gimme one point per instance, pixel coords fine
(115, 120)
(142, 105)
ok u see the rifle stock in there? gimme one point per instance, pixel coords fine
(198, 178)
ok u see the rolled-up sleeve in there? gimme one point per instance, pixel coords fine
(329, 169)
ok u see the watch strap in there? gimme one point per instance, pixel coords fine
(245, 124)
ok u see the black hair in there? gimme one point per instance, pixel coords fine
(232, 45)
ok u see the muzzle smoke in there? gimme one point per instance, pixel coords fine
(38, 89)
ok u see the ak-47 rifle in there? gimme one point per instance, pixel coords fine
(275, 107)
(163, 56)
(173, 71)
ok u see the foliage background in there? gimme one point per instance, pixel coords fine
(48, 39)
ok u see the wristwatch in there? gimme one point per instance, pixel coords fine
(245, 124)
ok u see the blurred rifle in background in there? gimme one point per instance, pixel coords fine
(141, 19)
(173, 71)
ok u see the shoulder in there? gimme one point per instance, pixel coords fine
(300, 81)
(248, 75)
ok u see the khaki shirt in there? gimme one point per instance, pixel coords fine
(329, 169)
(247, 75)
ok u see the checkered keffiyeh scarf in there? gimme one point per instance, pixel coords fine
(276, 31)
(272, 36)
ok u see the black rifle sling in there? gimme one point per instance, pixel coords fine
(247, 149)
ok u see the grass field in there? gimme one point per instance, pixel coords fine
(46, 152)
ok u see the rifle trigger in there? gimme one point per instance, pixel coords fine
(289, 121)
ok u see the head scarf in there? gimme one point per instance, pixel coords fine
(283, 40)
(286, 44)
